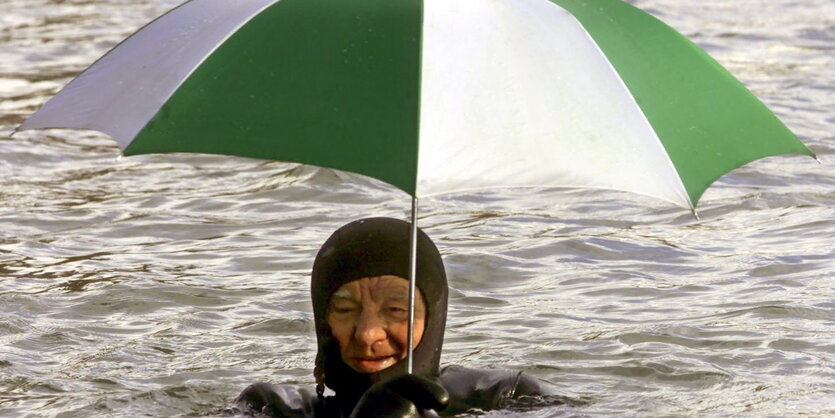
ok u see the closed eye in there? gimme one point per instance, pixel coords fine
(342, 310)
(342, 306)
(397, 312)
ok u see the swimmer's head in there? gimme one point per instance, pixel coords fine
(360, 302)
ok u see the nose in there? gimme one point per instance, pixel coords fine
(370, 329)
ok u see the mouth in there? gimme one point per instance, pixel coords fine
(373, 364)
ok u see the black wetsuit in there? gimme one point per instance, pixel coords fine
(469, 389)
(376, 247)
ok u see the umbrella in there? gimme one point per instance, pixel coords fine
(431, 96)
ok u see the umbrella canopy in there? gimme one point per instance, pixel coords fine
(431, 96)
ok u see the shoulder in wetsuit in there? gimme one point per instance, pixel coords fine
(469, 389)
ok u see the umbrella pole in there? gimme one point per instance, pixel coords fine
(412, 279)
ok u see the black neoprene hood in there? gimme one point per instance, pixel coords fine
(368, 248)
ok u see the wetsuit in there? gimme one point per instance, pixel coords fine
(376, 247)
(468, 389)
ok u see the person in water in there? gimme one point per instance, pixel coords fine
(360, 308)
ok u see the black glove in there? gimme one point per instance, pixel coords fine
(270, 400)
(406, 395)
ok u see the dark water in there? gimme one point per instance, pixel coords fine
(163, 285)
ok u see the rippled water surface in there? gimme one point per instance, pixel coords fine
(163, 285)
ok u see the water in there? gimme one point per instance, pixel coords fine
(163, 285)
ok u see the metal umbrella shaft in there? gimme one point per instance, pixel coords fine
(412, 280)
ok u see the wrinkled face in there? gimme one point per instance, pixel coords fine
(370, 319)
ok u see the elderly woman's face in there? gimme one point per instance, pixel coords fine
(370, 319)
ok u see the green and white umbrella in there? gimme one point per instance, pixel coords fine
(431, 96)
